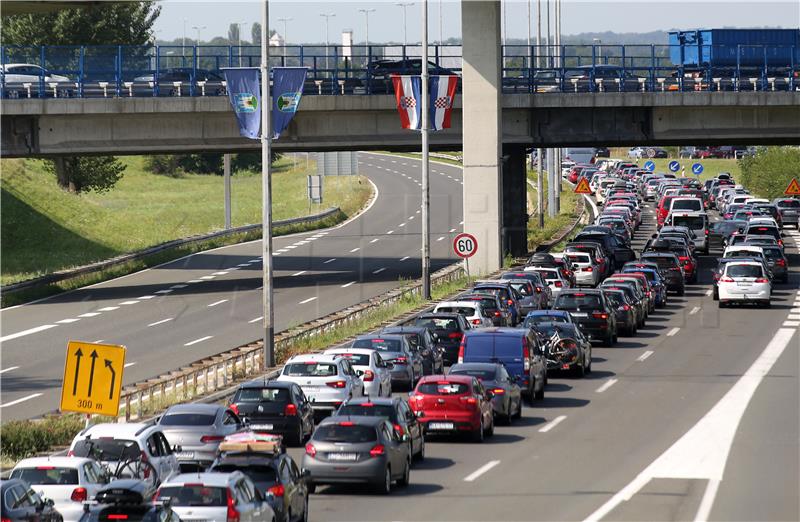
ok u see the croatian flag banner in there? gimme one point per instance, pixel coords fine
(408, 92)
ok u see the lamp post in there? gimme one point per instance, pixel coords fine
(366, 16)
(599, 43)
(239, 39)
(183, 40)
(266, 194)
(327, 17)
(197, 29)
(285, 37)
(405, 28)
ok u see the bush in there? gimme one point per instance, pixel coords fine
(770, 171)
(25, 438)
(165, 165)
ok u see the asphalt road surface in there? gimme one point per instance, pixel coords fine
(694, 418)
(210, 302)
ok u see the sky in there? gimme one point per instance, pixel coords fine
(386, 22)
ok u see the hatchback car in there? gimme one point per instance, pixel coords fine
(790, 211)
(375, 373)
(471, 310)
(395, 349)
(128, 500)
(592, 312)
(423, 341)
(449, 329)
(567, 348)
(744, 282)
(277, 407)
(452, 405)
(670, 266)
(326, 381)
(506, 393)
(197, 430)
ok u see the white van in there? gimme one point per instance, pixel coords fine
(697, 222)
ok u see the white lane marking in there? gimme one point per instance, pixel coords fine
(29, 397)
(68, 321)
(401, 225)
(145, 297)
(276, 253)
(378, 271)
(257, 319)
(410, 218)
(694, 310)
(552, 424)
(375, 240)
(8, 369)
(178, 286)
(404, 258)
(256, 260)
(168, 319)
(348, 284)
(791, 317)
(441, 238)
(480, 471)
(452, 230)
(418, 211)
(608, 384)
(795, 310)
(168, 291)
(242, 265)
(673, 331)
(194, 281)
(312, 238)
(207, 278)
(301, 272)
(219, 273)
(90, 314)
(215, 303)
(702, 452)
(791, 324)
(126, 303)
(231, 269)
(108, 309)
(206, 338)
(331, 260)
(356, 249)
(304, 301)
(281, 251)
(304, 242)
(645, 355)
(98, 341)
(128, 365)
(460, 222)
(390, 232)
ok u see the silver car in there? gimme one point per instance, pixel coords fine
(365, 450)
(196, 430)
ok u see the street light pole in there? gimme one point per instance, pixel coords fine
(239, 38)
(539, 33)
(599, 44)
(426, 202)
(198, 29)
(183, 40)
(327, 17)
(266, 193)
(441, 37)
(405, 28)
(366, 15)
(285, 35)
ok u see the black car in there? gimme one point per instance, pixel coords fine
(449, 328)
(505, 291)
(506, 393)
(127, 500)
(566, 347)
(670, 266)
(396, 411)
(379, 73)
(541, 290)
(624, 310)
(423, 341)
(277, 407)
(591, 311)
(620, 253)
(20, 502)
(276, 475)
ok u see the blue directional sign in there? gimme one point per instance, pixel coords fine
(650, 165)
(674, 166)
(697, 169)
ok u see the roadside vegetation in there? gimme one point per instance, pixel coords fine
(552, 225)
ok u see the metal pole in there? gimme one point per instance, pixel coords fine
(540, 187)
(539, 34)
(183, 40)
(528, 41)
(266, 192)
(327, 39)
(405, 28)
(366, 15)
(505, 25)
(441, 38)
(285, 36)
(426, 203)
(226, 162)
(552, 189)
(549, 37)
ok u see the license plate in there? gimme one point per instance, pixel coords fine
(262, 426)
(743, 283)
(349, 457)
(579, 314)
(440, 426)
(184, 455)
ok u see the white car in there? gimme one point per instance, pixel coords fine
(369, 365)
(587, 272)
(744, 282)
(216, 497)
(551, 276)
(67, 481)
(745, 251)
(16, 75)
(471, 310)
(326, 380)
(115, 444)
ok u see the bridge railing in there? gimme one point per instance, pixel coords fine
(173, 70)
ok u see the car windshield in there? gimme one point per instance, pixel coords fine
(687, 204)
(438, 323)
(536, 319)
(379, 344)
(345, 432)
(257, 473)
(579, 258)
(548, 275)
(187, 419)
(482, 374)
(463, 310)
(46, 475)
(194, 495)
(356, 359)
(772, 252)
(578, 301)
(443, 388)
(692, 222)
(649, 274)
(310, 369)
(763, 231)
(368, 410)
(522, 287)
(789, 203)
(548, 329)
(743, 253)
(661, 261)
(616, 298)
(262, 395)
(743, 271)
(107, 449)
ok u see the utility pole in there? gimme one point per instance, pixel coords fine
(226, 171)
(528, 41)
(366, 15)
(539, 33)
(239, 38)
(327, 17)
(549, 38)
(285, 36)
(266, 193)
(405, 28)
(441, 38)
(426, 202)
(183, 40)
(197, 29)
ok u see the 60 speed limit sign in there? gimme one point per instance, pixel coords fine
(465, 245)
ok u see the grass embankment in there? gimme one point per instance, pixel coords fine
(552, 225)
(711, 167)
(46, 229)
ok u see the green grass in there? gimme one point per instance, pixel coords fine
(46, 229)
(711, 167)
(567, 213)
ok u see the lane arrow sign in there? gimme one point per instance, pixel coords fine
(78, 355)
(91, 374)
(113, 378)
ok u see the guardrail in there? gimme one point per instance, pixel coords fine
(195, 70)
(63, 275)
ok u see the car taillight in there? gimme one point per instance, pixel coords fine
(626, 307)
(115, 516)
(588, 269)
(311, 451)
(232, 515)
(706, 231)
(79, 495)
(726, 280)
(278, 490)
(377, 451)
(648, 293)
(559, 284)
(600, 315)
(538, 290)
(599, 259)
(780, 242)
(399, 429)
(497, 313)
(205, 439)
(470, 400)
(461, 351)
(476, 321)
(510, 302)
(290, 410)
(369, 376)
(336, 384)
(70, 453)
(526, 355)
(498, 391)
(780, 262)
(401, 360)
(234, 408)
(458, 335)
(762, 280)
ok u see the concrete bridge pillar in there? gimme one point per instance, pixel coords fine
(482, 131)
(514, 232)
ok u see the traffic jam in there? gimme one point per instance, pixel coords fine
(358, 417)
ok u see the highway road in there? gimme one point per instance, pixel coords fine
(695, 418)
(209, 302)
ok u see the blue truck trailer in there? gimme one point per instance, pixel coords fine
(771, 49)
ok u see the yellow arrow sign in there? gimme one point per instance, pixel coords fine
(92, 378)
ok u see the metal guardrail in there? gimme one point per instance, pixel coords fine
(62, 275)
(169, 70)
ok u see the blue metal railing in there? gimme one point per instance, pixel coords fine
(169, 70)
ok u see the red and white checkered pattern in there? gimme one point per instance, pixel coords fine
(442, 103)
(407, 102)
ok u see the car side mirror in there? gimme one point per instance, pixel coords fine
(359, 372)
(404, 437)
(420, 414)
(489, 395)
(389, 365)
(176, 448)
(305, 473)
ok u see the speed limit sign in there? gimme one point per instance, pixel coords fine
(465, 245)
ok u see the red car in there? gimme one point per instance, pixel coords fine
(452, 405)
(663, 209)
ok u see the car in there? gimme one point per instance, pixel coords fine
(627, 320)
(777, 262)
(720, 269)
(516, 348)
(216, 496)
(395, 349)
(375, 373)
(274, 406)
(67, 481)
(547, 316)
(273, 471)
(619, 252)
(720, 232)
(327, 381)
(130, 500)
(505, 291)
(128, 450)
(177, 81)
(744, 282)
(542, 293)
(552, 276)
(455, 404)
(394, 409)
(546, 260)
(506, 393)
(21, 503)
(654, 277)
(471, 310)
(18, 77)
(697, 222)
(633, 294)
(670, 266)
(424, 342)
(591, 311)
(449, 329)
(364, 450)
(197, 429)
(527, 297)
(567, 348)
(499, 312)
(587, 271)
(745, 251)
(378, 78)
(764, 228)
(790, 211)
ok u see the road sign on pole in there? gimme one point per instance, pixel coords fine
(697, 169)
(465, 245)
(583, 187)
(674, 166)
(92, 378)
(650, 165)
(793, 189)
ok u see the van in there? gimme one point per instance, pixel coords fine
(517, 349)
(697, 222)
(581, 155)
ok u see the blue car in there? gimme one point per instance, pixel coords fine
(656, 282)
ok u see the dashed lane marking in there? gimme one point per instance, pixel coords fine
(27, 398)
(390, 232)
(356, 249)
(301, 272)
(128, 365)
(257, 319)
(207, 278)
(220, 273)
(440, 238)
(68, 321)
(673, 331)
(645, 355)
(552, 424)
(127, 303)
(375, 240)
(331, 260)
(351, 283)
(304, 301)
(480, 471)
(8, 369)
(608, 384)
(206, 338)
(694, 310)
(145, 297)
(108, 309)
(176, 287)
(378, 271)
(167, 291)
(404, 258)
(162, 321)
(215, 303)
(791, 324)
(90, 314)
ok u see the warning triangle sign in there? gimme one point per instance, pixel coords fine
(584, 188)
(793, 189)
